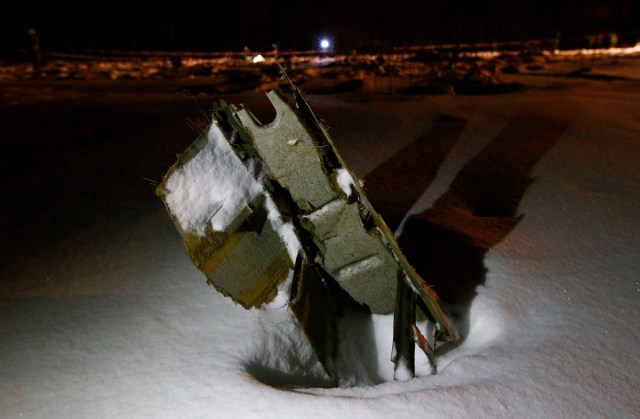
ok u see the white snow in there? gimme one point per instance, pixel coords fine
(113, 320)
(345, 181)
(211, 187)
(402, 372)
(284, 228)
(360, 266)
(335, 205)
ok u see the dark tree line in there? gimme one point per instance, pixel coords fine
(361, 24)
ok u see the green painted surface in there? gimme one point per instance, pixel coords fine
(289, 152)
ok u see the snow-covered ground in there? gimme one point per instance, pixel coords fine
(103, 315)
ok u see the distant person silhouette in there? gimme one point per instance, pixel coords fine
(35, 53)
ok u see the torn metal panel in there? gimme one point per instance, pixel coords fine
(360, 262)
(289, 152)
(222, 255)
(315, 310)
(353, 253)
(295, 189)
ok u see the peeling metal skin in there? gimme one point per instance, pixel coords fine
(351, 252)
(349, 258)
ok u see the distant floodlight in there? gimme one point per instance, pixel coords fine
(258, 59)
(325, 44)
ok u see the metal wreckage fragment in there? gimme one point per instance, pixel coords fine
(300, 191)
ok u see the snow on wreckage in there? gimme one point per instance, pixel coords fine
(272, 209)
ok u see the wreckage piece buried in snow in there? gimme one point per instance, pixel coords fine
(268, 209)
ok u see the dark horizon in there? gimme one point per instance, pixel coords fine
(358, 24)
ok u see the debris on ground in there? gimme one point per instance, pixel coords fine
(272, 211)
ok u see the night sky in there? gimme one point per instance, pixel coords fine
(359, 24)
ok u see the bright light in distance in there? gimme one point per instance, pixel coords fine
(258, 59)
(325, 44)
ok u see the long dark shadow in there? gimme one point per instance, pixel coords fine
(447, 242)
(395, 185)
